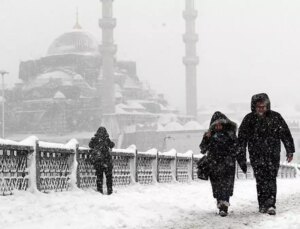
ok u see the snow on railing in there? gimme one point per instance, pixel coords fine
(43, 166)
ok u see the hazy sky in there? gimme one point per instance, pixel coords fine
(245, 46)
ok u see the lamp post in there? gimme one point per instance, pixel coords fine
(3, 72)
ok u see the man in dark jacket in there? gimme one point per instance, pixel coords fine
(100, 146)
(262, 130)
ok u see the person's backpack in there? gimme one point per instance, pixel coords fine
(203, 168)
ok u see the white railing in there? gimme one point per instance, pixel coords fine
(42, 166)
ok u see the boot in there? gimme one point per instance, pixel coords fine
(223, 211)
(223, 208)
(271, 211)
(109, 191)
(263, 210)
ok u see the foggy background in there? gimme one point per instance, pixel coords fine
(245, 47)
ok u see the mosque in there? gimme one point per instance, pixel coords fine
(80, 84)
(63, 91)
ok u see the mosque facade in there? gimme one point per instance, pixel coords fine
(65, 91)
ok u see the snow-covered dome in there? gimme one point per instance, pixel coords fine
(192, 125)
(75, 42)
(173, 126)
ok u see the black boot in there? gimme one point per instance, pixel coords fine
(271, 211)
(100, 190)
(223, 211)
(223, 208)
(109, 191)
(263, 209)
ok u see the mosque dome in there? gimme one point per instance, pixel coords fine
(76, 41)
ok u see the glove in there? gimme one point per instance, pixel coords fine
(289, 157)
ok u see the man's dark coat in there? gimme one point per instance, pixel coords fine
(263, 136)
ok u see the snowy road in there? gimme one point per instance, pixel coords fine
(155, 206)
(244, 214)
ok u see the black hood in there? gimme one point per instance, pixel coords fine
(262, 97)
(102, 133)
(226, 122)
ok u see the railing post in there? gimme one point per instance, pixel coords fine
(191, 170)
(133, 168)
(174, 168)
(72, 164)
(37, 166)
(155, 168)
(77, 168)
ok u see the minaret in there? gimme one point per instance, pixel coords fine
(190, 60)
(107, 49)
(77, 26)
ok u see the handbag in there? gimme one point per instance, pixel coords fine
(203, 168)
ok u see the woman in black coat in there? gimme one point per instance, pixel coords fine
(220, 144)
(100, 146)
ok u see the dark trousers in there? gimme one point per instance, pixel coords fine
(266, 186)
(109, 181)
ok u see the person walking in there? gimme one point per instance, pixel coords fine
(261, 131)
(101, 158)
(220, 145)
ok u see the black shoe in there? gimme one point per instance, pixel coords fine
(263, 210)
(223, 213)
(271, 211)
(223, 210)
(109, 190)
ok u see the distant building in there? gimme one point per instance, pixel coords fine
(62, 92)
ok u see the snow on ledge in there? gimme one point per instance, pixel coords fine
(30, 141)
(55, 145)
(72, 143)
(83, 148)
(131, 149)
(186, 154)
(152, 151)
(8, 142)
(171, 153)
(198, 156)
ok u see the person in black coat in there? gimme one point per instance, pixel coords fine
(262, 130)
(220, 144)
(101, 158)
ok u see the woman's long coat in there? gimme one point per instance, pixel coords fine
(221, 148)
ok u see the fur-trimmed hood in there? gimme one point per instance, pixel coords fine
(263, 97)
(228, 125)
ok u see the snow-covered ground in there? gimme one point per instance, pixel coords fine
(152, 206)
